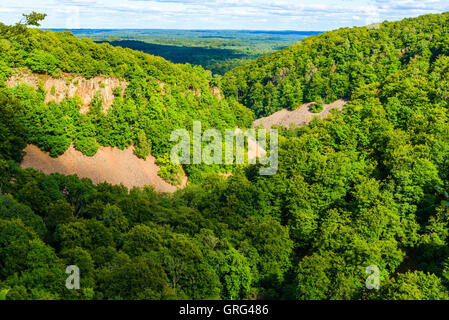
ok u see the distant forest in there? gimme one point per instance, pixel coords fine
(367, 187)
(215, 50)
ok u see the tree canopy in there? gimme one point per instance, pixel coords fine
(366, 186)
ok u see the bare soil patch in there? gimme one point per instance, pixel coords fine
(110, 165)
(299, 117)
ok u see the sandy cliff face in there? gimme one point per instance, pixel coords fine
(69, 85)
(299, 117)
(216, 92)
(110, 165)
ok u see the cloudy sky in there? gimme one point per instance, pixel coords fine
(218, 14)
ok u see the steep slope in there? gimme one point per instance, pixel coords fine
(365, 188)
(298, 117)
(69, 86)
(107, 165)
(335, 64)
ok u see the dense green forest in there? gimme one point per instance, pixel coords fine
(159, 98)
(336, 64)
(218, 60)
(215, 50)
(365, 186)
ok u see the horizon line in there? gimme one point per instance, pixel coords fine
(175, 29)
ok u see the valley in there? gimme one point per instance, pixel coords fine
(111, 165)
(87, 176)
(215, 50)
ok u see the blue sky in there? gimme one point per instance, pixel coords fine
(218, 14)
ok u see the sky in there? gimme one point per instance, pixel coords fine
(321, 15)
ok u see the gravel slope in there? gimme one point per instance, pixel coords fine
(301, 116)
(110, 165)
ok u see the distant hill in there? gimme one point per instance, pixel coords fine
(215, 50)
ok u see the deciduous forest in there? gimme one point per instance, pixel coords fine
(365, 186)
(215, 50)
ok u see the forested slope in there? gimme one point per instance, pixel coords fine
(160, 96)
(367, 186)
(335, 64)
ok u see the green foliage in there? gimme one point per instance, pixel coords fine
(318, 106)
(160, 97)
(139, 279)
(336, 64)
(142, 147)
(3, 294)
(12, 132)
(169, 171)
(215, 50)
(415, 286)
(236, 274)
(42, 62)
(34, 18)
(10, 209)
(5, 72)
(88, 146)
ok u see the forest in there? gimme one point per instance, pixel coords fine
(215, 50)
(367, 186)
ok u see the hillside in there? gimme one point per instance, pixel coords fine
(336, 64)
(216, 50)
(358, 189)
(111, 165)
(92, 95)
